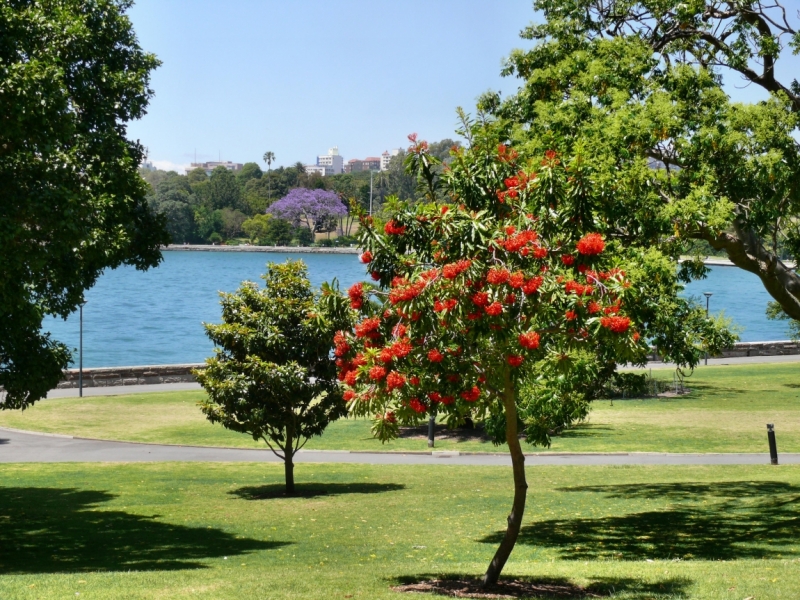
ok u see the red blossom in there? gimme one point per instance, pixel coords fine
(356, 293)
(453, 270)
(445, 209)
(517, 280)
(435, 356)
(471, 395)
(591, 244)
(389, 417)
(416, 405)
(571, 315)
(386, 355)
(351, 378)
(532, 285)
(497, 276)
(515, 360)
(341, 349)
(395, 380)
(399, 330)
(529, 340)
(447, 400)
(494, 309)
(616, 324)
(366, 258)
(375, 275)
(480, 298)
(414, 380)
(593, 307)
(348, 395)
(394, 228)
(568, 259)
(573, 287)
(377, 373)
(401, 348)
(367, 326)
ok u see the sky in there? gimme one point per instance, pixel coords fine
(298, 77)
(242, 77)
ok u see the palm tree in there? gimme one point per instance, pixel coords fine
(269, 156)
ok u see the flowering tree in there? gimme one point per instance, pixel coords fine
(312, 208)
(509, 279)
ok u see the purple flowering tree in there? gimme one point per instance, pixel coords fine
(316, 209)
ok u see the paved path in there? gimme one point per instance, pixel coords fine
(18, 447)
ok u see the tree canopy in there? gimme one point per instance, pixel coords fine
(312, 208)
(637, 88)
(73, 75)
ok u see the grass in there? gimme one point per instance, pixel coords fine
(177, 530)
(726, 411)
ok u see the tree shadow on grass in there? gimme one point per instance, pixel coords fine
(458, 585)
(59, 530)
(311, 490)
(586, 430)
(702, 521)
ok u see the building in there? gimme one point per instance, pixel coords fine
(147, 166)
(333, 160)
(210, 166)
(386, 157)
(371, 163)
(321, 170)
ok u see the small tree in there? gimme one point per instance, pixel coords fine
(310, 208)
(509, 279)
(273, 375)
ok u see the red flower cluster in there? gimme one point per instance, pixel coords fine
(506, 154)
(366, 258)
(356, 293)
(591, 244)
(340, 341)
(377, 373)
(416, 405)
(471, 395)
(386, 355)
(518, 241)
(497, 276)
(517, 280)
(573, 287)
(529, 340)
(480, 299)
(401, 348)
(435, 356)
(453, 270)
(571, 315)
(348, 395)
(394, 228)
(406, 293)
(593, 307)
(616, 324)
(515, 360)
(395, 380)
(568, 259)
(494, 309)
(367, 327)
(532, 285)
(448, 304)
(399, 330)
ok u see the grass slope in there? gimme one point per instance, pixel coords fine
(113, 531)
(727, 411)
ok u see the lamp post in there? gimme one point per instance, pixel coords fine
(80, 354)
(708, 297)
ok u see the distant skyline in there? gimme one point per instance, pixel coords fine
(297, 78)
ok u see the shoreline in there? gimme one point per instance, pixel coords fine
(243, 248)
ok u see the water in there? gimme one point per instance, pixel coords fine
(154, 317)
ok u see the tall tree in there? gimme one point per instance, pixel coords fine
(639, 84)
(73, 203)
(505, 274)
(274, 376)
(269, 156)
(313, 209)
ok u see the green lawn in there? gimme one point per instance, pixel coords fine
(727, 411)
(179, 530)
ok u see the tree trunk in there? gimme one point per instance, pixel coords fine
(288, 463)
(520, 486)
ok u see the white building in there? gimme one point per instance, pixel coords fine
(333, 160)
(322, 170)
(386, 157)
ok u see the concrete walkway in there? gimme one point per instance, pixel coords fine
(22, 447)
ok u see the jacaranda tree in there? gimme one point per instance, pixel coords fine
(314, 209)
(273, 375)
(503, 274)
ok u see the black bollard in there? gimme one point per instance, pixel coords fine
(431, 425)
(773, 446)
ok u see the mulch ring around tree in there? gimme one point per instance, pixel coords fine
(471, 588)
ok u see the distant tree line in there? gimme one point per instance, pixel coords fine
(225, 205)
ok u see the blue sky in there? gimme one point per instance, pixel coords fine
(297, 77)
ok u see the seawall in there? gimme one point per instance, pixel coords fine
(151, 374)
(281, 249)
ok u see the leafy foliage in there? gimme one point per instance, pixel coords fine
(273, 376)
(73, 203)
(315, 209)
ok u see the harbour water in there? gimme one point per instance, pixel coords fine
(155, 317)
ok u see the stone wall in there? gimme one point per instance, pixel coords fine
(116, 376)
(778, 348)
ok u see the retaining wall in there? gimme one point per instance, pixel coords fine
(116, 376)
